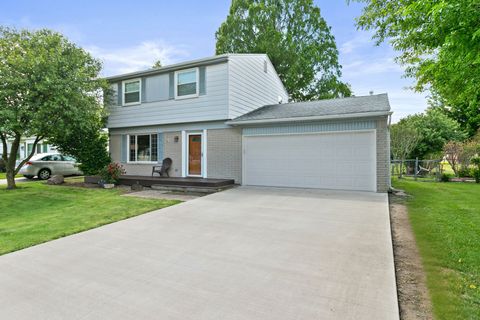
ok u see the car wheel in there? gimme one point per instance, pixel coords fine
(28, 177)
(44, 174)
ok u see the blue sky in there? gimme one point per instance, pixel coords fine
(131, 35)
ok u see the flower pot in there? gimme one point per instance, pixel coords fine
(108, 185)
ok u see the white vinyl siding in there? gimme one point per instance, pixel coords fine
(250, 86)
(156, 88)
(113, 94)
(340, 160)
(209, 107)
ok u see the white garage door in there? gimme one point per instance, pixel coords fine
(345, 161)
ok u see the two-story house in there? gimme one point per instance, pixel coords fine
(228, 116)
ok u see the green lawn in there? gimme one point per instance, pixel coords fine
(446, 221)
(37, 212)
(3, 175)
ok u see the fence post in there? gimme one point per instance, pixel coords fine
(439, 174)
(416, 168)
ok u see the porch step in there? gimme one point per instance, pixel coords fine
(148, 181)
(190, 189)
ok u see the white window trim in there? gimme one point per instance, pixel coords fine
(195, 95)
(136, 148)
(124, 82)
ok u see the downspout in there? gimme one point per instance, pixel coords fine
(389, 153)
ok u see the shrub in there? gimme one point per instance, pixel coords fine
(88, 146)
(464, 172)
(476, 175)
(112, 172)
(476, 171)
(445, 177)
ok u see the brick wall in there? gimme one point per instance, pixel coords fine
(383, 155)
(224, 154)
(173, 150)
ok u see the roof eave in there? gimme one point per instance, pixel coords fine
(177, 66)
(310, 118)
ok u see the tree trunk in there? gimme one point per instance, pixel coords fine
(11, 179)
(400, 174)
(10, 163)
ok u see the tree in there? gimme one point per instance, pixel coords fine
(157, 64)
(403, 139)
(88, 146)
(460, 154)
(439, 43)
(453, 151)
(294, 36)
(49, 89)
(435, 130)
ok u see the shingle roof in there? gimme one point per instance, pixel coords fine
(332, 107)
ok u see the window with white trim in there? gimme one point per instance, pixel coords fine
(131, 91)
(186, 83)
(143, 148)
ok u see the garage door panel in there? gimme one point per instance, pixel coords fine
(326, 160)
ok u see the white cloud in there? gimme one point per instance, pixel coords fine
(361, 39)
(371, 67)
(137, 57)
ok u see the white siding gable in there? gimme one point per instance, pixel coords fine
(250, 86)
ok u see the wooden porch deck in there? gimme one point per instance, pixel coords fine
(148, 181)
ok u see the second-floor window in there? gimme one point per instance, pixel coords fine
(131, 92)
(186, 83)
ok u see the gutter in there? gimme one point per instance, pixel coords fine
(310, 118)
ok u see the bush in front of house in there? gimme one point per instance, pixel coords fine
(111, 173)
(475, 161)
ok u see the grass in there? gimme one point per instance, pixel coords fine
(445, 218)
(3, 175)
(36, 212)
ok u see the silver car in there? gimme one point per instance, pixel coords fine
(44, 165)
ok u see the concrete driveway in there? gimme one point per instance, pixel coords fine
(246, 253)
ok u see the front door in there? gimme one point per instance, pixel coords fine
(194, 154)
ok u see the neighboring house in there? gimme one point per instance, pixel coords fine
(26, 146)
(228, 116)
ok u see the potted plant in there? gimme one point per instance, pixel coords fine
(110, 175)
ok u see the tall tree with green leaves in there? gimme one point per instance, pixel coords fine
(403, 139)
(297, 40)
(49, 89)
(439, 44)
(435, 129)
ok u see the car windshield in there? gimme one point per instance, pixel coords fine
(67, 158)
